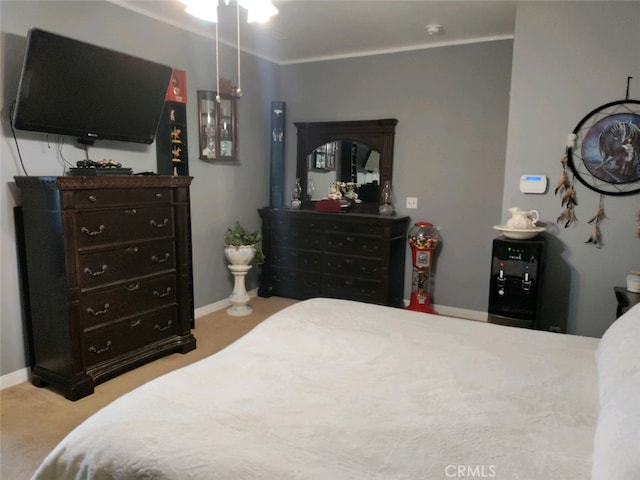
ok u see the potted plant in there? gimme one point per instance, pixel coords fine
(241, 248)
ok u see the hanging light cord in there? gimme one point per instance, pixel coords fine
(217, 64)
(239, 90)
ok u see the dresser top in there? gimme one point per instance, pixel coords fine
(332, 215)
(116, 181)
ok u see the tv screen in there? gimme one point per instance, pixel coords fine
(68, 87)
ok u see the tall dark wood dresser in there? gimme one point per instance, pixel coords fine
(353, 256)
(109, 283)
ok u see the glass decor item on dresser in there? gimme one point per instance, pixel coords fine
(218, 123)
(296, 195)
(386, 199)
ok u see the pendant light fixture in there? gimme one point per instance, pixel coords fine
(258, 11)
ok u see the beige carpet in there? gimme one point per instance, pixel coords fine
(34, 420)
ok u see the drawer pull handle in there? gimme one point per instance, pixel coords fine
(162, 329)
(130, 211)
(132, 250)
(96, 313)
(134, 323)
(133, 287)
(160, 260)
(88, 271)
(162, 295)
(98, 351)
(350, 239)
(163, 224)
(93, 198)
(158, 195)
(93, 233)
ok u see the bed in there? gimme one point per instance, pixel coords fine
(334, 389)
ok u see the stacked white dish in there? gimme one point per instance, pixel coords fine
(519, 233)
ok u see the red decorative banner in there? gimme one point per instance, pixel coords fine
(177, 91)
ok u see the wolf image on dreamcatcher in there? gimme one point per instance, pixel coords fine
(606, 153)
(603, 153)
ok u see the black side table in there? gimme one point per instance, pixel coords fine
(626, 299)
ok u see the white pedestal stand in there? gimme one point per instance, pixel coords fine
(239, 298)
(240, 259)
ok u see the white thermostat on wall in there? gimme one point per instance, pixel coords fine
(533, 183)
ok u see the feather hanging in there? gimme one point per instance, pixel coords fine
(596, 236)
(565, 187)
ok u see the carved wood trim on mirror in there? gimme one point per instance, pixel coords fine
(367, 143)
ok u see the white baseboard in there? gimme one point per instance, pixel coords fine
(14, 378)
(461, 313)
(457, 312)
(219, 305)
(22, 375)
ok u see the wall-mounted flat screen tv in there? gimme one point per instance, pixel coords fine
(69, 87)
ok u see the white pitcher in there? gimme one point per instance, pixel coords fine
(522, 219)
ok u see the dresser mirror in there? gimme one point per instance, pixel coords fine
(357, 152)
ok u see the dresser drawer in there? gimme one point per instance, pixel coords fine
(302, 239)
(352, 288)
(296, 259)
(295, 284)
(93, 229)
(358, 267)
(110, 341)
(349, 244)
(109, 197)
(117, 265)
(288, 223)
(361, 228)
(110, 304)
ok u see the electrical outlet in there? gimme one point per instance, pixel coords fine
(412, 202)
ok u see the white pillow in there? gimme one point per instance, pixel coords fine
(616, 445)
(618, 354)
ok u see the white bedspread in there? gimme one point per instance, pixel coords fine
(331, 389)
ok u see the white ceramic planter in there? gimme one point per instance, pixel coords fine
(242, 255)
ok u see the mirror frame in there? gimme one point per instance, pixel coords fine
(378, 134)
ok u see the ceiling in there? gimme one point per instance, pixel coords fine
(311, 30)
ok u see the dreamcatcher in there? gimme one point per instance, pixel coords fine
(603, 153)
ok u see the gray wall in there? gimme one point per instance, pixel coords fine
(220, 193)
(570, 58)
(453, 151)
(451, 104)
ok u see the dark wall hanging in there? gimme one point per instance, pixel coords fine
(606, 155)
(603, 153)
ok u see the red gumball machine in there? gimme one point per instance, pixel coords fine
(423, 239)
